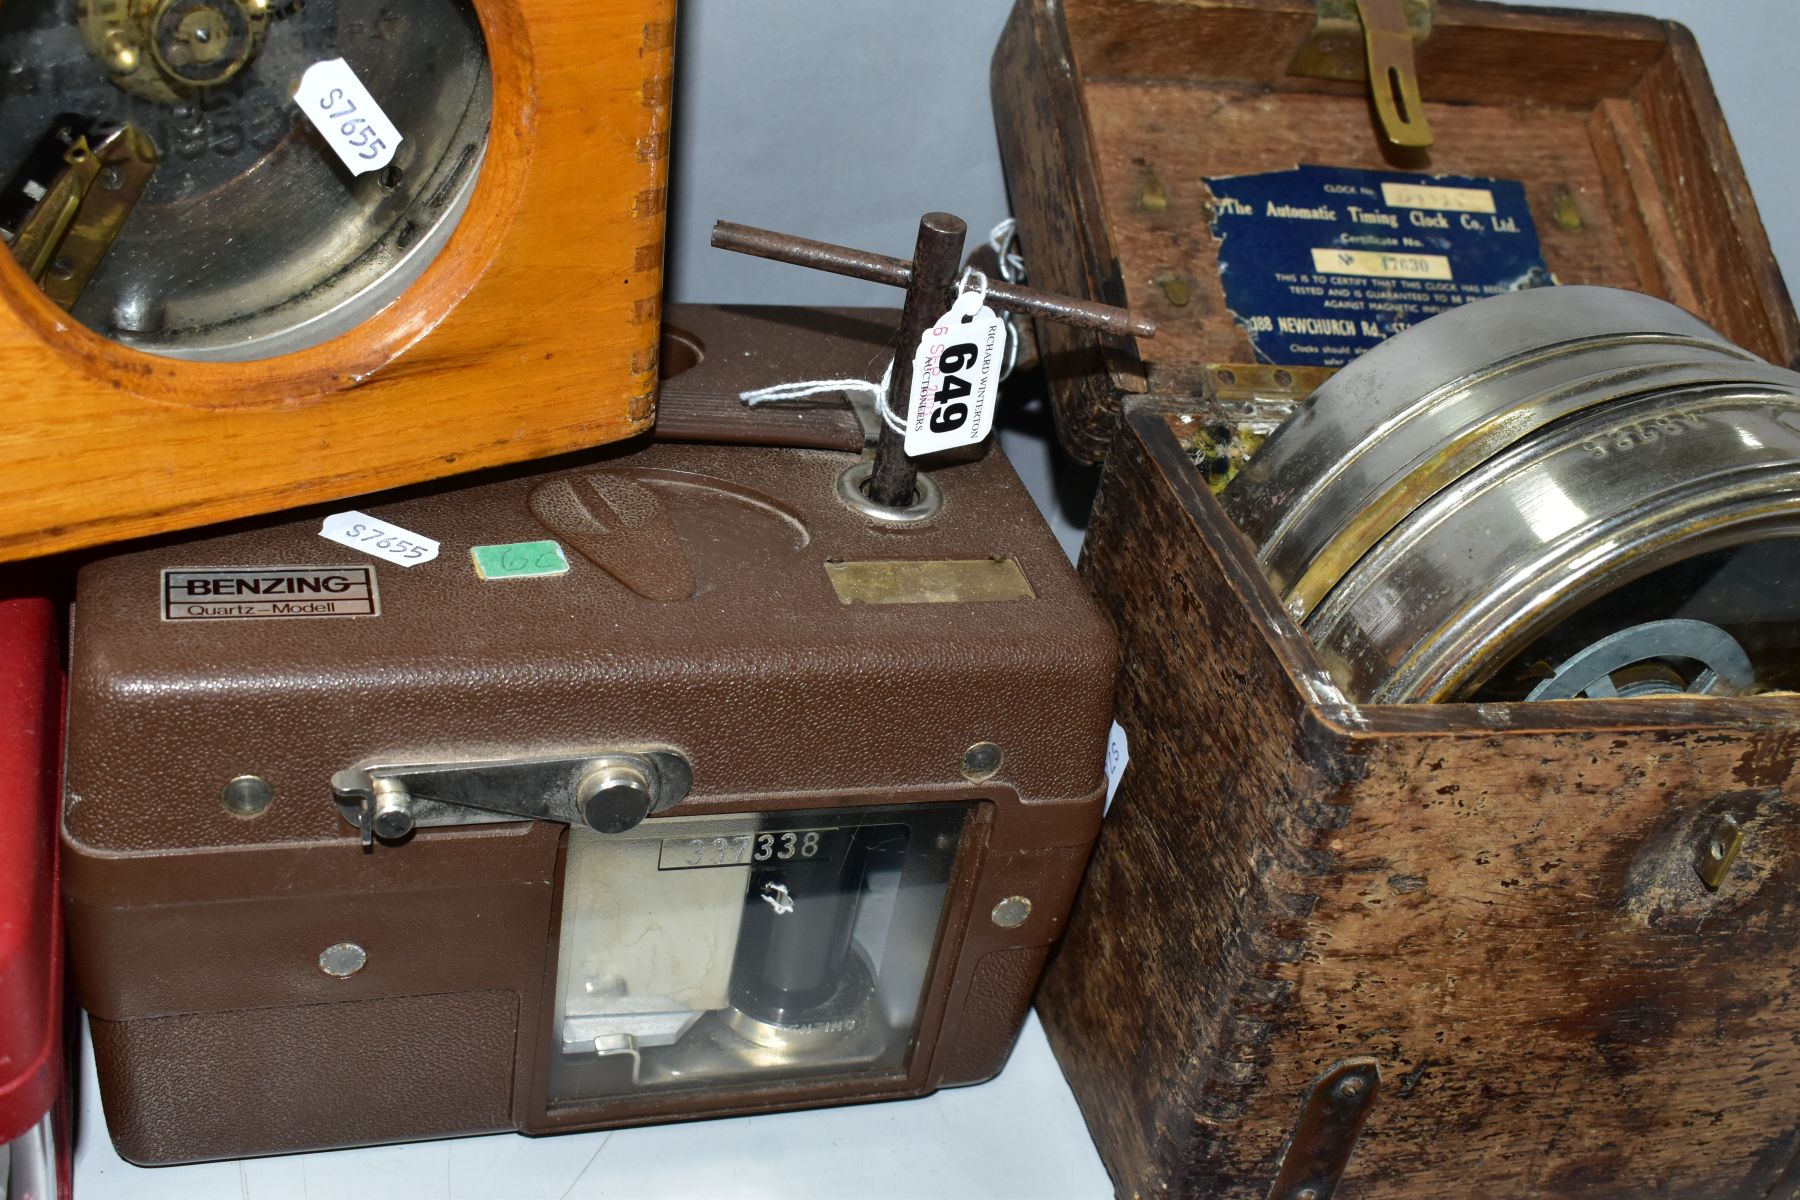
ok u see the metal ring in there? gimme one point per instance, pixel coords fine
(928, 498)
(1519, 545)
(1726, 668)
(1474, 484)
(1418, 412)
(340, 253)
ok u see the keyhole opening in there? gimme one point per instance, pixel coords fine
(911, 498)
(1399, 94)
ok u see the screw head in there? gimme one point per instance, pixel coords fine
(1011, 912)
(343, 959)
(247, 796)
(120, 54)
(1350, 1087)
(981, 762)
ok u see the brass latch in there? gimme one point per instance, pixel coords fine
(1374, 40)
(91, 180)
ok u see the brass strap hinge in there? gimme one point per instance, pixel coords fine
(1374, 40)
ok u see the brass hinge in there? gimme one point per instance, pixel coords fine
(1242, 404)
(1374, 40)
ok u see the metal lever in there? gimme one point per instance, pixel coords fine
(898, 272)
(929, 278)
(607, 792)
(37, 240)
(93, 184)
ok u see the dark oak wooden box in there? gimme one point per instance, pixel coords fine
(1496, 904)
(1112, 112)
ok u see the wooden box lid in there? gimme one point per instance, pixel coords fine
(1114, 113)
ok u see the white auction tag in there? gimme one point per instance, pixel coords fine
(1118, 757)
(956, 373)
(344, 113)
(383, 539)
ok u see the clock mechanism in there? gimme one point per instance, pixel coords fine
(165, 186)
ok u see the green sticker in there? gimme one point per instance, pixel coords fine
(518, 560)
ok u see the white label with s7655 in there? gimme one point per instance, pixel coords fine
(1118, 757)
(383, 539)
(347, 117)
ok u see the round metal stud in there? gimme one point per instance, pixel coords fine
(1011, 912)
(247, 796)
(928, 498)
(981, 762)
(392, 821)
(393, 817)
(343, 959)
(614, 798)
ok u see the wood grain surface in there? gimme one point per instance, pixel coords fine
(1496, 902)
(534, 331)
(1139, 127)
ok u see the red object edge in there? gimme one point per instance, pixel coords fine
(31, 954)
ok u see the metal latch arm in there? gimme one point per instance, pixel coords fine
(609, 792)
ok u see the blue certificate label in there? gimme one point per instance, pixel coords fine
(1321, 263)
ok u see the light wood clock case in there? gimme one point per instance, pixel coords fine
(207, 311)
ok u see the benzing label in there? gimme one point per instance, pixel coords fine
(268, 593)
